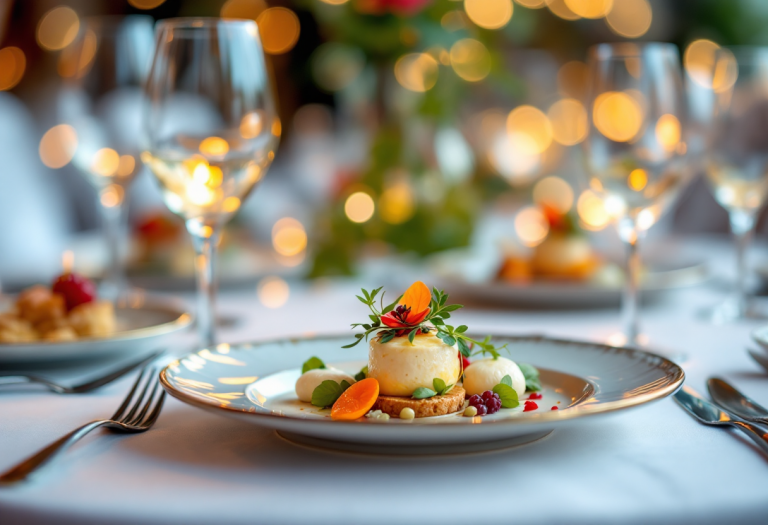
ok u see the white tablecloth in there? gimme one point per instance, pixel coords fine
(651, 464)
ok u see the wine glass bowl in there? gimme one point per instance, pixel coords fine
(211, 130)
(635, 148)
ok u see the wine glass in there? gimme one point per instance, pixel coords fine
(634, 150)
(737, 157)
(211, 131)
(104, 71)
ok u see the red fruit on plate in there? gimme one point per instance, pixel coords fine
(464, 361)
(75, 289)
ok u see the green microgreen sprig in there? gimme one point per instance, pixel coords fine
(440, 389)
(439, 312)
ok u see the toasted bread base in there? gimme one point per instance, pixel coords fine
(451, 402)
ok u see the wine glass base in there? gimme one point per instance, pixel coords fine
(643, 342)
(732, 312)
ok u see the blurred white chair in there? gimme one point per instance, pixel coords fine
(33, 212)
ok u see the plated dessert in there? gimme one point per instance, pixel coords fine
(418, 366)
(66, 311)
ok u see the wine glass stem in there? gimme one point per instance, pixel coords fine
(205, 255)
(630, 300)
(742, 226)
(113, 223)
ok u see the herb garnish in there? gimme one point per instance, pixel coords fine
(531, 374)
(362, 374)
(328, 392)
(506, 393)
(440, 388)
(418, 311)
(311, 364)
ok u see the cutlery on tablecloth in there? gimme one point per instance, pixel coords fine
(709, 414)
(760, 358)
(135, 414)
(730, 399)
(12, 378)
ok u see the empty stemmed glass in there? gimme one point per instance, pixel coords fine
(737, 157)
(634, 151)
(104, 71)
(211, 131)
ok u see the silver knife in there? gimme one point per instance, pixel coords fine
(709, 414)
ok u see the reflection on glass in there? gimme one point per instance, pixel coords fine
(737, 160)
(634, 149)
(212, 131)
(104, 70)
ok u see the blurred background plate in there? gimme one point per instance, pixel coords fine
(472, 275)
(144, 325)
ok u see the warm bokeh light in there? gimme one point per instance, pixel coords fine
(668, 132)
(489, 14)
(230, 205)
(214, 146)
(630, 18)
(554, 193)
(592, 212)
(67, 261)
(250, 125)
(359, 207)
(532, 4)
(112, 196)
(58, 146)
(470, 59)
(334, 2)
(561, 10)
(531, 226)
(416, 71)
(289, 237)
(279, 30)
(637, 180)
(245, 9)
(726, 71)
(454, 20)
(514, 157)
(58, 28)
(572, 79)
(532, 122)
(397, 203)
(617, 115)
(146, 4)
(590, 8)
(105, 162)
(277, 127)
(76, 60)
(126, 165)
(273, 292)
(12, 66)
(699, 61)
(569, 121)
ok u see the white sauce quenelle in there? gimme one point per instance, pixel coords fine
(485, 374)
(311, 379)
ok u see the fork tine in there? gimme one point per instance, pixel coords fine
(128, 397)
(140, 416)
(156, 412)
(151, 371)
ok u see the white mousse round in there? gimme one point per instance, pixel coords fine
(311, 379)
(401, 367)
(485, 374)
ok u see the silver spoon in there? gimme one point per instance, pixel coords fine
(725, 395)
(760, 358)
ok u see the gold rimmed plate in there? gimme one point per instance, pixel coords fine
(143, 326)
(255, 383)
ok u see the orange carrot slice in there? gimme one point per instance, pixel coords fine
(356, 400)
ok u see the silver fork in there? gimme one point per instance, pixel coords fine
(11, 378)
(134, 415)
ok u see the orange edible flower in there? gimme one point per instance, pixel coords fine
(413, 308)
(356, 400)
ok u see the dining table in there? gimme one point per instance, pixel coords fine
(649, 464)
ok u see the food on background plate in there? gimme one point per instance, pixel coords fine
(565, 254)
(416, 365)
(67, 311)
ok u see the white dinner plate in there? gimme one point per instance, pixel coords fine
(255, 382)
(472, 275)
(143, 326)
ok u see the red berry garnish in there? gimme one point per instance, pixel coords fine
(465, 362)
(487, 395)
(481, 410)
(553, 408)
(535, 395)
(75, 289)
(530, 405)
